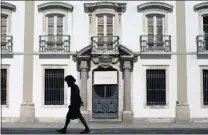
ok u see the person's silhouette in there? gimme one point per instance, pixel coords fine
(74, 107)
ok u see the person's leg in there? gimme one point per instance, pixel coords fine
(63, 130)
(87, 129)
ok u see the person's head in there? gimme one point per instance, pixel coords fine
(70, 80)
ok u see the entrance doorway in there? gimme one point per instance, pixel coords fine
(105, 94)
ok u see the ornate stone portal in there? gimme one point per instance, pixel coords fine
(125, 58)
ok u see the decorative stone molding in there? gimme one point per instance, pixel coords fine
(105, 61)
(155, 5)
(8, 6)
(55, 5)
(200, 6)
(127, 65)
(83, 64)
(91, 7)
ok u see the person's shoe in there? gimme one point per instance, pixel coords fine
(61, 130)
(86, 131)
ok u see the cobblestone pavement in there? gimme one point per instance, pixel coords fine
(28, 128)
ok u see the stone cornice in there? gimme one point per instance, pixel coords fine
(91, 7)
(155, 5)
(8, 6)
(201, 6)
(55, 5)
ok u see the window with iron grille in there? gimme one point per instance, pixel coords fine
(54, 86)
(205, 87)
(156, 87)
(3, 86)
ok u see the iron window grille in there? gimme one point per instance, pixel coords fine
(205, 87)
(54, 87)
(3, 86)
(156, 87)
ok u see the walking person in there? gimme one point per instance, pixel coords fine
(74, 108)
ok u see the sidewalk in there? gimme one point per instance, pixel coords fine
(108, 126)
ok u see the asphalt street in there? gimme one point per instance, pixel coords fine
(108, 131)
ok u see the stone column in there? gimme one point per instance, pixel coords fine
(182, 107)
(83, 91)
(27, 110)
(127, 114)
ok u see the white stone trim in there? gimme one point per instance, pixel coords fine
(55, 66)
(166, 68)
(7, 67)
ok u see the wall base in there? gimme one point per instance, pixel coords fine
(27, 112)
(127, 117)
(182, 114)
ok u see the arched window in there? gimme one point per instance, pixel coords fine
(155, 26)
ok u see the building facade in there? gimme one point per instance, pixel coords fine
(134, 61)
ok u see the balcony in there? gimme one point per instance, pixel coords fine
(155, 44)
(54, 44)
(6, 44)
(202, 44)
(105, 45)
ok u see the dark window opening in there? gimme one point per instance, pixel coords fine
(156, 87)
(3, 86)
(205, 87)
(205, 31)
(54, 86)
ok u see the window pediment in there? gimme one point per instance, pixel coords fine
(8, 6)
(118, 7)
(155, 5)
(55, 5)
(201, 6)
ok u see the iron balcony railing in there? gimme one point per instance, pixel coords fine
(6, 43)
(105, 44)
(54, 43)
(202, 43)
(155, 43)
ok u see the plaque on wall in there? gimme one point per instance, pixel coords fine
(105, 77)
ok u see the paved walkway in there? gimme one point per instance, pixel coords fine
(97, 128)
(103, 125)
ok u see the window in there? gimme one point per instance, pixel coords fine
(105, 29)
(55, 27)
(205, 87)
(155, 26)
(156, 87)
(54, 87)
(4, 20)
(3, 86)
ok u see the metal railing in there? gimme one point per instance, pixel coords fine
(54, 43)
(105, 44)
(155, 43)
(6, 43)
(202, 43)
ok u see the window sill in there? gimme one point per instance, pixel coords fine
(4, 106)
(156, 107)
(54, 106)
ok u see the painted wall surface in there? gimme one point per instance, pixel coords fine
(194, 63)
(15, 75)
(131, 29)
